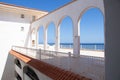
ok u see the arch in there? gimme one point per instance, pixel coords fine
(49, 22)
(30, 72)
(17, 62)
(18, 77)
(87, 8)
(68, 40)
(39, 27)
(40, 35)
(99, 30)
(63, 17)
(51, 33)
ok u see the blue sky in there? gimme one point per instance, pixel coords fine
(91, 23)
(92, 26)
(47, 5)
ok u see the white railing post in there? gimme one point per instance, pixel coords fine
(38, 54)
(95, 47)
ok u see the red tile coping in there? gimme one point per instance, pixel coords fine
(49, 70)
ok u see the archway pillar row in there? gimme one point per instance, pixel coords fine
(76, 38)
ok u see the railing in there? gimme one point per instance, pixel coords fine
(92, 46)
(89, 66)
(51, 57)
(84, 46)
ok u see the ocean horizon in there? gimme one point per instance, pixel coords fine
(88, 46)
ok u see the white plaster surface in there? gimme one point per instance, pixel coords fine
(10, 34)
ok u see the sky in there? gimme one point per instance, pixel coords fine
(46, 5)
(92, 26)
(91, 22)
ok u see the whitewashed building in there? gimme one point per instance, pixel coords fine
(15, 24)
(19, 28)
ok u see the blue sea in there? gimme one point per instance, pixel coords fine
(92, 46)
(87, 46)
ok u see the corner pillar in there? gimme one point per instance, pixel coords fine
(36, 39)
(45, 39)
(76, 39)
(57, 39)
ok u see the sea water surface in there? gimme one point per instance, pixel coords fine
(87, 46)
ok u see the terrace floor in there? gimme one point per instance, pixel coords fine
(90, 63)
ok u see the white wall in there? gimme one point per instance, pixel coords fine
(10, 34)
(112, 35)
(40, 75)
(14, 16)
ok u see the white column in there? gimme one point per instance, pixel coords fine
(30, 40)
(36, 39)
(57, 39)
(76, 39)
(45, 38)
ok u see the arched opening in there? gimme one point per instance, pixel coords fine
(92, 43)
(92, 31)
(51, 36)
(66, 34)
(17, 62)
(41, 37)
(17, 76)
(30, 74)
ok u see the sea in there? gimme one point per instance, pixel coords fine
(86, 46)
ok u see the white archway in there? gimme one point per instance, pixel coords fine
(51, 36)
(40, 32)
(66, 33)
(94, 33)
